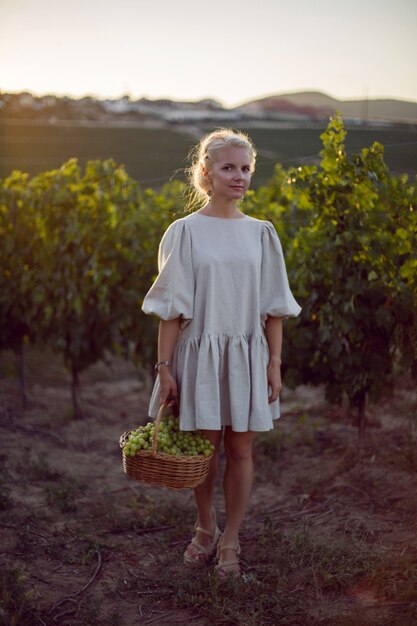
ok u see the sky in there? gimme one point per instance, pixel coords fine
(232, 51)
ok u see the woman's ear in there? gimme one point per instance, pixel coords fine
(206, 175)
(207, 179)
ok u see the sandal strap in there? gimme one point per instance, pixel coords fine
(199, 529)
(203, 553)
(208, 550)
(227, 546)
(227, 563)
(205, 550)
(222, 566)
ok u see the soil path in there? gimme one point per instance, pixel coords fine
(98, 548)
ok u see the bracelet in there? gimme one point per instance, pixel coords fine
(167, 363)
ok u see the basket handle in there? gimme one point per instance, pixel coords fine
(157, 424)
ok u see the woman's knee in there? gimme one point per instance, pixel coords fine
(238, 446)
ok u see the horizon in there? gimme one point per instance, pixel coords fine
(236, 52)
(195, 100)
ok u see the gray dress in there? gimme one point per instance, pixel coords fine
(223, 277)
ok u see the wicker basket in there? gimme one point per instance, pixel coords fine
(161, 469)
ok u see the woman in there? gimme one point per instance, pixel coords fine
(221, 295)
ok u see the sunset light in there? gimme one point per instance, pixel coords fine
(228, 51)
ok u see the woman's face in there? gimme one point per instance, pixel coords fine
(230, 173)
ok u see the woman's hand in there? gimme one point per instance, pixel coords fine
(273, 373)
(168, 385)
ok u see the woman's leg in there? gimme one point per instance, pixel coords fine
(204, 499)
(238, 479)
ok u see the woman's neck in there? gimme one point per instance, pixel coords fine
(217, 208)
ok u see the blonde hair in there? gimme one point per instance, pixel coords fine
(204, 154)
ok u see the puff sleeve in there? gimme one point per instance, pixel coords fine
(172, 293)
(276, 297)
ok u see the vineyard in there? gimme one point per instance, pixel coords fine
(78, 254)
(153, 155)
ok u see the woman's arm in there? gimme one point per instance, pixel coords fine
(167, 339)
(273, 333)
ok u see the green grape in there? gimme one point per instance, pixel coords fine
(170, 439)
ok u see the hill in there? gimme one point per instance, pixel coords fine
(319, 105)
(299, 108)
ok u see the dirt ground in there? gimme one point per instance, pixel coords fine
(82, 544)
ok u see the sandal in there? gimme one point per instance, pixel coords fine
(202, 554)
(221, 568)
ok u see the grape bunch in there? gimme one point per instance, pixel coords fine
(171, 439)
